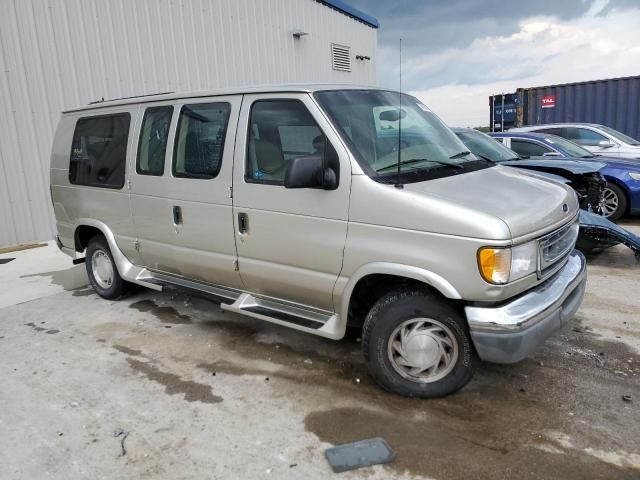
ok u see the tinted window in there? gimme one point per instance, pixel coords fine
(485, 146)
(199, 143)
(280, 130)
(551, 131)
(99, 151)
(528, 149)
(153, 140)
(582, 136)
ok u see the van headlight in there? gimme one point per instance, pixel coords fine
(500, 265)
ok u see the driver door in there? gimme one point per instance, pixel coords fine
(289, 241)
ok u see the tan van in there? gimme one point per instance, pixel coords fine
(319, 207)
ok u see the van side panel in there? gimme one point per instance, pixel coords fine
(73, 203)
(201, 246)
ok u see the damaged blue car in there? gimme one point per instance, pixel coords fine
(596, 232)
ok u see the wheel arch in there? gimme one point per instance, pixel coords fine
(380, 278)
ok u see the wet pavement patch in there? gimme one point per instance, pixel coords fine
(69, 279)
(35, 327)
(143, 305)
(174, 385)
(170, 315)
(82, 292)
(452, 450)
(128, 351)
(164, 314)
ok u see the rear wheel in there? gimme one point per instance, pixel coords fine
(102, 271)
(614, 202)
(417, 345)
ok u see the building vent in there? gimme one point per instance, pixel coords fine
(341, 58)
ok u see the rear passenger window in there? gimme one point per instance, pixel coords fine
(99, 151)
(280, 130)
(152, 145)
(199, 143)
(525, 148)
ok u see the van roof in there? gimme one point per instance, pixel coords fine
(286, 88)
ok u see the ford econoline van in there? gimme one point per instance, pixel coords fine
(322, 207)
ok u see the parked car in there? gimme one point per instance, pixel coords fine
(584, 177)
(286, 204)
(622, 193)
(598, 139)
(596, 232)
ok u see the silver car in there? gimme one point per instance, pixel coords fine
(598, 139)
(318, 208)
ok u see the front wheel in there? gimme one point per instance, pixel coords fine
(417, 345)
(614, 202)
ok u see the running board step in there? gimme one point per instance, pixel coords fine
(280, 313)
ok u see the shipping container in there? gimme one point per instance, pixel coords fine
(613, 102)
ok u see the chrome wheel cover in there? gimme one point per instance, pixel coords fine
(610, 202)
(422, 350)
(102, 269)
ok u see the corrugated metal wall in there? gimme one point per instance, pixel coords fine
(55, 55)
(613, 102)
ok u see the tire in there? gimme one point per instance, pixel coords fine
(105, 279)
(614, 202)
(437, 323)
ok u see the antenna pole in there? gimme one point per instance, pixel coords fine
(398, 184)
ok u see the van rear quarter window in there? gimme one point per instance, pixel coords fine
(99, 151)
(199, 142)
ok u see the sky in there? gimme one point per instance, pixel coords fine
(458, 52)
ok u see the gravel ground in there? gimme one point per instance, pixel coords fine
(163, 385)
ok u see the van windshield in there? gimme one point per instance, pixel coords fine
(375, 128)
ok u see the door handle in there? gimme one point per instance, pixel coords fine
(243, 223)
(177, 215)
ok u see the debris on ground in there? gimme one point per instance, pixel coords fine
(627, 398)
(363, 453)
(119, 432)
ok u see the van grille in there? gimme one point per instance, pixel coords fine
(557, 245)
(341, 58)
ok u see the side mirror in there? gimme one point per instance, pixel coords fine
(550, 154)
(606, 144)
(306, 172)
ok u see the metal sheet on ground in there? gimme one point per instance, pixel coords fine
(363, 453)
(604, 233)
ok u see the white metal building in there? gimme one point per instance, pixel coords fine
(60, 54)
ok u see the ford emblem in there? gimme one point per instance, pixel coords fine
(565, 208)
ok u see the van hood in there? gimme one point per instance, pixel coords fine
(525, 202)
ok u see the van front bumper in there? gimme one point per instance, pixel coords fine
(511, 331)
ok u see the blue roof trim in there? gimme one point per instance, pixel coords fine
(352, 12)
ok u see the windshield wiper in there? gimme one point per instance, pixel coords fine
(418, 160)
(458, 155)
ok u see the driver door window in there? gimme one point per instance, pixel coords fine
(279, 131)
(525, 148)
(585, 137)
